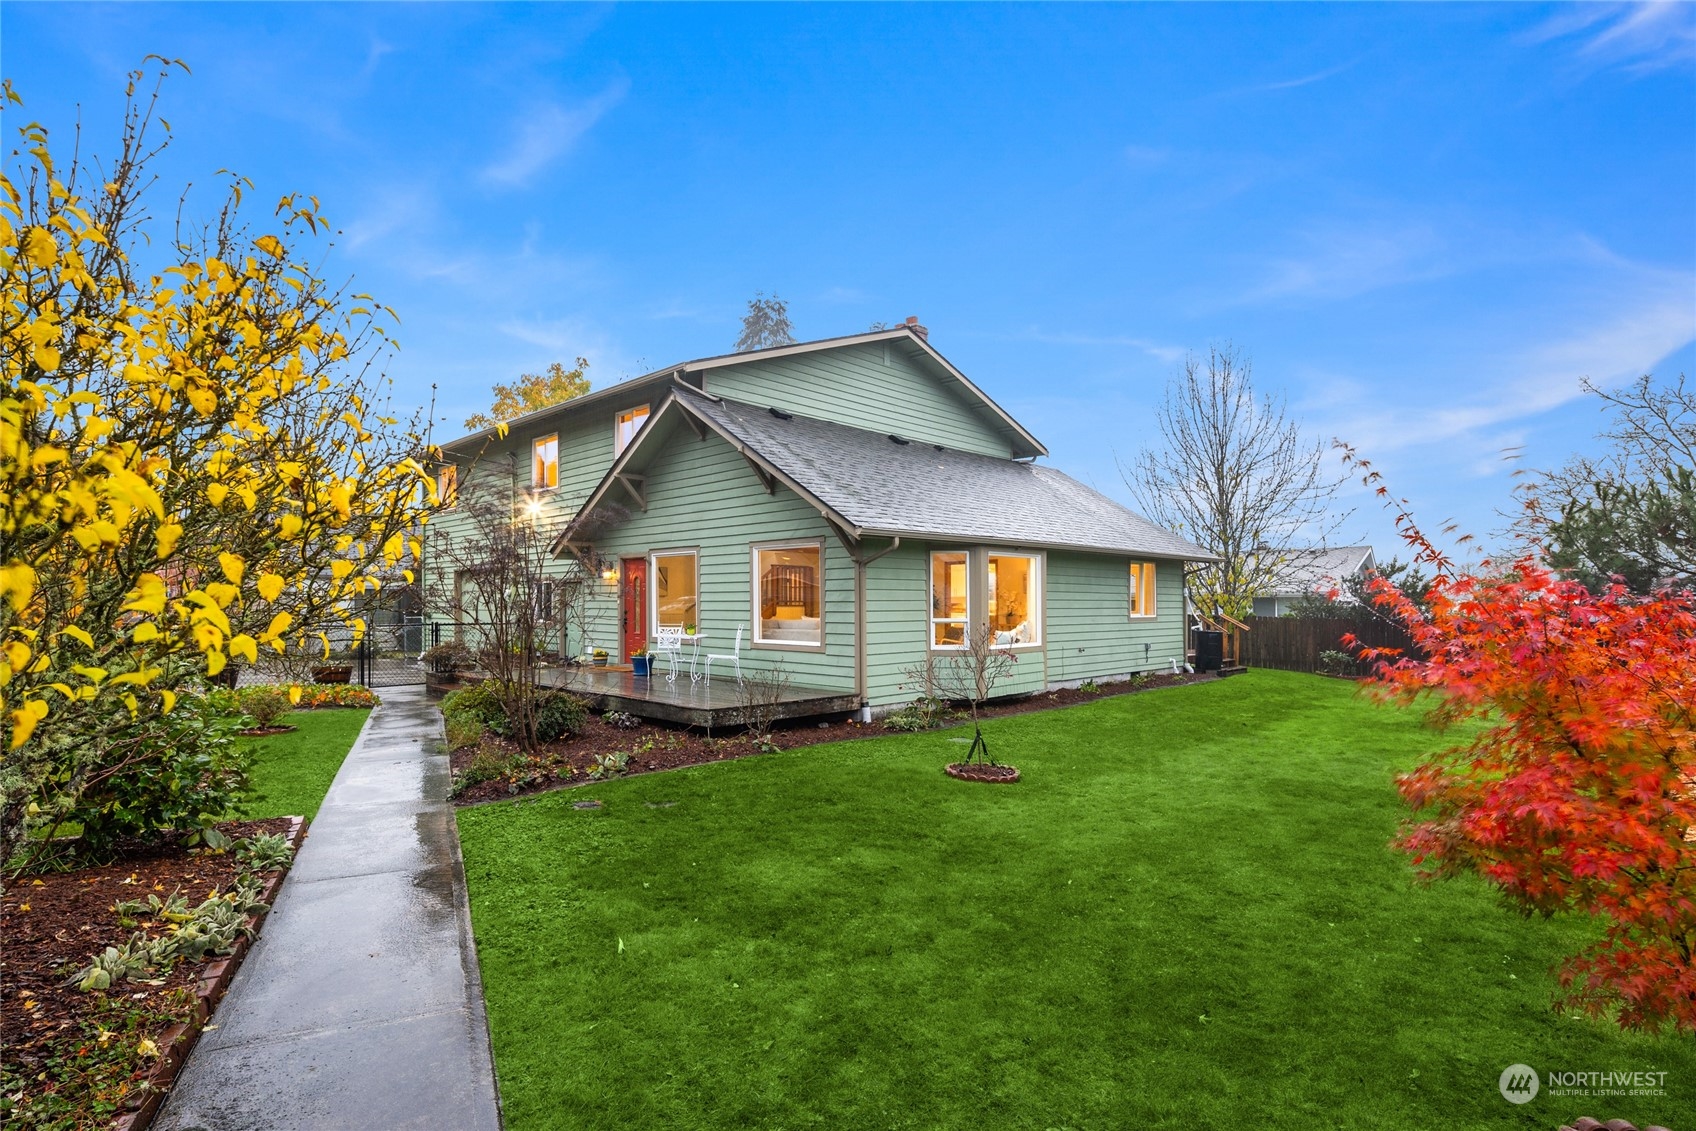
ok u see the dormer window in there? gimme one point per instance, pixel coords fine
(626, 427)
(544, 461)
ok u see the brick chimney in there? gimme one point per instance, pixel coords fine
(913, 325)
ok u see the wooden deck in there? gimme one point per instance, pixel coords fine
(715, 704)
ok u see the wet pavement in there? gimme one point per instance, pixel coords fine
(360, 1005)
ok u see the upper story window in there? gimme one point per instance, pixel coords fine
(544, 461)
(1015, 599)
(626, 426)
(1142, 589)
(447, 485)
(948, 599)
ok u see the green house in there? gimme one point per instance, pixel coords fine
(842, 508)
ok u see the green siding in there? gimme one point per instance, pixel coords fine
(855, 385)
(703, 495)
(1089, 633)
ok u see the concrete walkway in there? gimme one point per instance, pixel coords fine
(360, 1005)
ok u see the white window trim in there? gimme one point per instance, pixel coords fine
(617, 421)
(1134, 598)
(654, 557)
(754, 586)
(1039, 580)
(534, 444)
(932, 620)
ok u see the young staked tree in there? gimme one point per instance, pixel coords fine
(533, 391)
(765, 325)
(494, 582)
(1630, 514)
(1573, 786)
(1235, 475)
(194, 463)
(969, 676)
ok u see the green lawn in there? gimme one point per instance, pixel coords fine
(292, 772)
(1185, 916)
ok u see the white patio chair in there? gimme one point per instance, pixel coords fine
(668, 642)
(734, 657)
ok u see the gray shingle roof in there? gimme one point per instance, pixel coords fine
(918, 488)
(1306, 571)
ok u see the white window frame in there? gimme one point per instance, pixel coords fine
(1142, 582)
(1034, 615)
(654, 557)
(754, 551)
(535, 479)
(619, 440)
(932, 620)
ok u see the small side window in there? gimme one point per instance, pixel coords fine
(544, 462)
(1142, 589)
(626, 426)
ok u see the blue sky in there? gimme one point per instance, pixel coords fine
(1424, 224)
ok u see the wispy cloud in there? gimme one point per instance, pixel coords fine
(1285, 84)
(1160, 351)
(1343, 260)
(1636, 37)
(1537, 379)
(546, 133)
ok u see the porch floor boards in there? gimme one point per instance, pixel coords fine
(688, 702)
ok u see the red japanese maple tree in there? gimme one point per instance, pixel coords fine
(1576, 791)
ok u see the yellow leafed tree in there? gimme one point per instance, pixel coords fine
(533, 391)
(194, 466)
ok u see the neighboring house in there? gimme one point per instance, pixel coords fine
(853, 504)
(1307, 572)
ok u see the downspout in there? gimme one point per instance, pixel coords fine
(860, 564)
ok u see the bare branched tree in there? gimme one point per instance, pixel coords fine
(970, 677)
(1234, 475)
(761, 692)
(493, 582)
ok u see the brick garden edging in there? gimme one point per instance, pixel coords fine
(178, 1041)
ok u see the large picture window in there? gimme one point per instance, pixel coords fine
(949, 592)
(544, 461)
(675, 588)
(789, 585)
(625, 427)
(1015, 599)
(1142, 589)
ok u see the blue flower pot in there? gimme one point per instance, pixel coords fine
(640, 664)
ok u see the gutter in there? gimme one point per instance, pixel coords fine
(860, 564)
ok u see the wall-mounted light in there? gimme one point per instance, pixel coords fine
(609, 574)
(534, 506)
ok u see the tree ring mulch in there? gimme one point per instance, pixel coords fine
(998, 775)
(265, 732)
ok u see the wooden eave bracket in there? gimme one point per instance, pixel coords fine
(767, 480)
(636, 485)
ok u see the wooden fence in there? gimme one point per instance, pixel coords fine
(1293, 644)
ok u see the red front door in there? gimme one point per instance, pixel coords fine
(634, 572)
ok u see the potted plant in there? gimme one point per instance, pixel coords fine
(639, 661)
(600, 657)
(688, 630)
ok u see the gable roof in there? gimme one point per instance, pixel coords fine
(918, 346)
(1309, 570)
(873, 483)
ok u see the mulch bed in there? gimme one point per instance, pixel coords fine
(654, 746)
(86, 1044)
(267, 732)
(986, 772)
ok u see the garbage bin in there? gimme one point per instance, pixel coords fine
(1209, 651)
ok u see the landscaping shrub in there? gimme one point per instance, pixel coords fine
(559, 715)
(463, 730)
(923, 713)
(315, 695)
(445, 659)
(1333, 662)
(480, 701)
(182, 771)
(264, 705)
